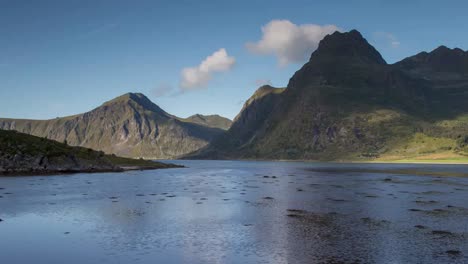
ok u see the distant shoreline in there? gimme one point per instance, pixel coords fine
(403, 161)
(87, 171)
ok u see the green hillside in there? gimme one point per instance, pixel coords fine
(348, 104)
(22, 153)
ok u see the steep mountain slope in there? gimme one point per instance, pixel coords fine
(129, 125)
(215, 121)
(245, 127)
(348, 103)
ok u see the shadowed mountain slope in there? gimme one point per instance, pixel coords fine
(347, 103)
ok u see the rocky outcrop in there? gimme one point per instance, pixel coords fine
(25, 154)
(40, 164)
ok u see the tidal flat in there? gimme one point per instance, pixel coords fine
(239, 212)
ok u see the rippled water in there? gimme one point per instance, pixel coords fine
(239, 212)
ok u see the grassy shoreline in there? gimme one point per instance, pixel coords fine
(23, 154)
(377, 161)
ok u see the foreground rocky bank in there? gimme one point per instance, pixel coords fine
(22, 154)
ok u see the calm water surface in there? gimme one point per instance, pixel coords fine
(238, 212)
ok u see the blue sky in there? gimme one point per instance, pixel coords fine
(60, 58)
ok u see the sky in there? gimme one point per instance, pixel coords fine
(65, 57)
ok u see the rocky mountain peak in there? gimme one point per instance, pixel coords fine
(348, 45)
(129, 125)
(136, 100)
(441, 59)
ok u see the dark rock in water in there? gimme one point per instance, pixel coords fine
(298, 211)
(1, 220)
(442, 233)
(293, 215)
(420, 227)
(336, 200)
(453, 252)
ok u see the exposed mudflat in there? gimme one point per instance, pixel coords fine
(239, 212)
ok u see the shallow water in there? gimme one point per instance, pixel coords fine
(238, 212)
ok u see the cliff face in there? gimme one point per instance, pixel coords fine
(348, 103)
(130, 126)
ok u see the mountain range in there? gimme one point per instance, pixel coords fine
(345, 103)
(129, 126)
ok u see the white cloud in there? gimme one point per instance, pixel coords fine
(390, 39)
(289, 42)
(199, 76)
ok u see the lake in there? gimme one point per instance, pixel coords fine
(239, 212)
